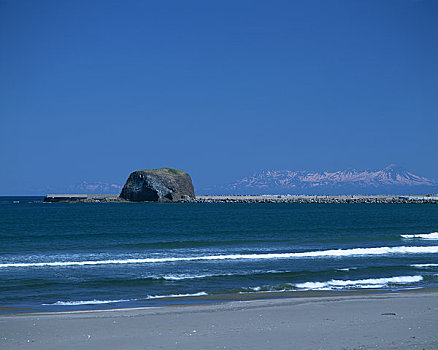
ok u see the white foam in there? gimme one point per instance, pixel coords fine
(363, 283)
(312, 285)
(180, 277)
(258, 289)
(176, 295)
(426, 236)
(423, 266)
(95, 302)
(86, 302)
(266, 256)
(190, 277)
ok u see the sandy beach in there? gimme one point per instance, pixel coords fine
(407, 320)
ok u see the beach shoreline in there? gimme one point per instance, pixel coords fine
(203, 299)
(391, 320)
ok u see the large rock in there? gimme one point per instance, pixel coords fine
(158, 185)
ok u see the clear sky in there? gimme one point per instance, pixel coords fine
(92, 90)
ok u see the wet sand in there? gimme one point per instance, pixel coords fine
(407, 320)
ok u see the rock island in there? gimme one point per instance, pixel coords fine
(158, 185)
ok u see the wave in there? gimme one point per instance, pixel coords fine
(363, 283)
(336, 253)
(86, 302)
(96, 302)
(192, 277)
(179, 277)
(426, 236)
(422, 266)
(339, 284)
(176, 295)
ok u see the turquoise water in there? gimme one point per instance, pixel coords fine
(75, 255)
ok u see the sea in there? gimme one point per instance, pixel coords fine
(75, 256)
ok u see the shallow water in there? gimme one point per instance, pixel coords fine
(61, 255)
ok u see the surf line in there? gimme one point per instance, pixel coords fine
(265, 256)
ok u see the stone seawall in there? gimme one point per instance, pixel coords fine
(317, 199)
(87, 198)
(99, 198)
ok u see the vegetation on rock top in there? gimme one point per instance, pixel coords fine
(165, 170)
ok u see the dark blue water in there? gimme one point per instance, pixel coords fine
(64, 255)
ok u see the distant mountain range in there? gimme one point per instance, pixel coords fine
(94, 188)
(85, 187)
(390, 180)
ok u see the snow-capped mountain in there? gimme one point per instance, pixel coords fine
(94, 188)
(390, 180)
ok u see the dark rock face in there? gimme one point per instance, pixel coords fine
(158, 185)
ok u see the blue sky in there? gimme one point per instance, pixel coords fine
(92, 90)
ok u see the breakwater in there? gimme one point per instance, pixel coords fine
(317, 199)
(87, 198)
(99, 198)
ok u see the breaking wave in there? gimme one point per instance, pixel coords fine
(424, 266)
(362, 283)
(370, 283)
(176, 295)
(427, 236)
(96, 302)
(86, 302)
(179, 277)
(190, 277)
(335, 253)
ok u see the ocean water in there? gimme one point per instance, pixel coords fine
(62, 256)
